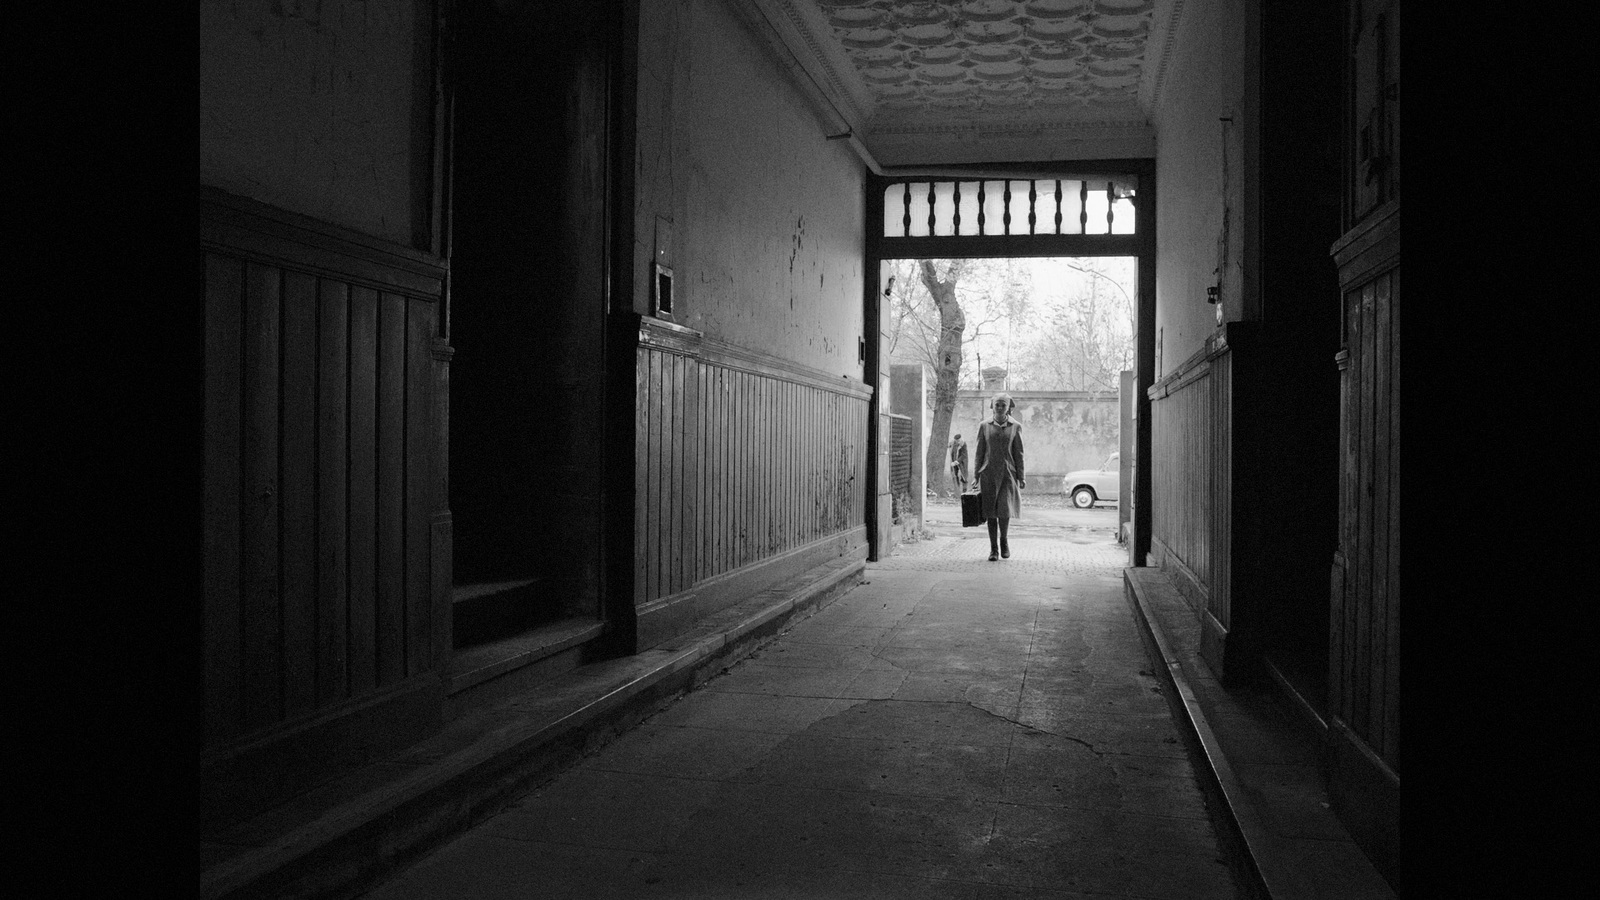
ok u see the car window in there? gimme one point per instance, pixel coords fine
(1110, 463)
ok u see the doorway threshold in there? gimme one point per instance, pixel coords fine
(489, 670)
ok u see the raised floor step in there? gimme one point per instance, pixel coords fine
(1259, 760)
(345, 837)
(490, 611)
(472, 666)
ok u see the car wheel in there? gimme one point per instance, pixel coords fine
(1083, 498)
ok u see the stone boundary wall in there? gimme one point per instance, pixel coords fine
(1061, 430)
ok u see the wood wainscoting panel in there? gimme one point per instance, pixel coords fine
(1194, 449)
(1220, 545)
(389, 612)
(222, 502)
(298, 465)
(741, 459)
(1364, 626)
(332, 518)
(1365, 623)
(1365, 683)
(320, 488)
(1183, 480)
(363, 515)
(262, 647)
(420, 505)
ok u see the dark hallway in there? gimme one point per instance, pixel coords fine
(545, 380)
(952, 728)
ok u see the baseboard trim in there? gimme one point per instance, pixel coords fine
(1365, 794)
(240, 781)
(1306, 709)
(661, 620)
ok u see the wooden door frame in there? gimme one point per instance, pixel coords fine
(1141, 246)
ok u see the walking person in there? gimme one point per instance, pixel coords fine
(999, 473)
(958, 464)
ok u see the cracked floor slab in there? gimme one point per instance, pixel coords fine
(932, 733)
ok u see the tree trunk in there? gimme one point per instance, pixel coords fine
(947, 370)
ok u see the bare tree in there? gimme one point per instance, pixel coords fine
(913, 319)
(946, 363)
(988, 304)
(1085, 340)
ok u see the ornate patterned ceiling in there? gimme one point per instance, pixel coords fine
(982, 78)
(994, 56)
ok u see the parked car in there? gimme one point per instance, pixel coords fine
(1087, 487)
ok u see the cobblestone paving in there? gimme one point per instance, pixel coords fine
(1043, 551)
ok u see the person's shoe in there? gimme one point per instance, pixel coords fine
(993, 555)
(1005, 552)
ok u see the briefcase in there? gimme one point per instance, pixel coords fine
(971, 510)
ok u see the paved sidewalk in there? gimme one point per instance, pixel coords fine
(953, 727)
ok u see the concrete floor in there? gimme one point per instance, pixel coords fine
(952, 728)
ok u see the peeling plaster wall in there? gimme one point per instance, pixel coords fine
(322, 107)
(765, 215)
(1204, 83)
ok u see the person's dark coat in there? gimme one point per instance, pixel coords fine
(958, 460)
(1000, 468)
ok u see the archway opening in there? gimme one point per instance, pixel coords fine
(1017, 230)
(1056, 333)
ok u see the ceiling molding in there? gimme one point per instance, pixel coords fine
(818, 59)
(1163, 37)
(829, 57)
(1009, 127)
(971, 72)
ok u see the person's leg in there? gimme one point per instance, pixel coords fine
(1005, 549)
(994, 547)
